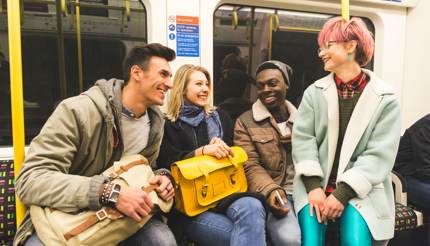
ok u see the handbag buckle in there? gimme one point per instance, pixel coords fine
(205, 190)
(233, 178)
(101, 214)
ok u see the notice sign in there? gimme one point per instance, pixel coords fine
(187, 36)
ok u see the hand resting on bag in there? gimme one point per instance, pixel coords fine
(165, 188)
(217, 148)
(134, 203)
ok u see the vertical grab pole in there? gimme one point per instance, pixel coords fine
(345, 9)
(270, 37)
(14, 24)
(79, 45)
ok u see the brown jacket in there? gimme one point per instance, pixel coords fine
(270, 165)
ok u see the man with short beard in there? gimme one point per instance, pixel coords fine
(265, 134)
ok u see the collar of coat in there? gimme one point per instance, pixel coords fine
(375, 83)
(260, 112)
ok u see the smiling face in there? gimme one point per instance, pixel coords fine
(334, 55)
(271, 88)
(197, 90)
(155, 81)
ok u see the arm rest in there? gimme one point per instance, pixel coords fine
(400, 191)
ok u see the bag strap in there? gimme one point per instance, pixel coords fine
(125, 168)
(102, 214)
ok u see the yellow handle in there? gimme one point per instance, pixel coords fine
(345, 9)
(64, 7)
(127, 9)
(276, 24)
(234, 19)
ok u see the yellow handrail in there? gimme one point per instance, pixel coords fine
(345, 9)
(64, 7)
(79, 45)
(14, 29)
(127, 9)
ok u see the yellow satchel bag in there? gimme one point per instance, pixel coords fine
(107, 226)
(200, 182)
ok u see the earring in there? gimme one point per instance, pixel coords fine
(350, 57)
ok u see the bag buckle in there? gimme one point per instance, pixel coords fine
(205, 190)
(233, 178)
(101, 214)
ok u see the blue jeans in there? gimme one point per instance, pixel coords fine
(153, 233)
(242, 224)
(418, 192)
(286, 230)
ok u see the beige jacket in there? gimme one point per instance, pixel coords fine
(269, 164)
(63, 165)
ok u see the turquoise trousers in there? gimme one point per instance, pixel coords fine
(353, 229)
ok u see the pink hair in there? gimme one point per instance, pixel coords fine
(341, 30)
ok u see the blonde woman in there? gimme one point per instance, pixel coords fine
(194, 127)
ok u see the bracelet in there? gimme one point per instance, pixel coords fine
(203, 150)
(106, 192)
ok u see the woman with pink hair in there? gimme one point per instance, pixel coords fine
(345, 139)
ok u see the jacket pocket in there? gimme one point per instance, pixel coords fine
(379, 201)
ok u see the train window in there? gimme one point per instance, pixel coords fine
(245, 36)
(51, 71)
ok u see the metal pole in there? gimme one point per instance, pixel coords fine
(14, 29)
(79, 46)
(60, 51)
(345, 9)
(270, 37)
(251, 41)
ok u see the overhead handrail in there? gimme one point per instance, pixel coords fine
(234, 19)
(79, 45)
(345, 9)
(17, 100)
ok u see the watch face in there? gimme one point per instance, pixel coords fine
(114, 197)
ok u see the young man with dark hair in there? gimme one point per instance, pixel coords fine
(87, 133)
(265, 134)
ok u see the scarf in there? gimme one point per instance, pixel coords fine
(194, 115)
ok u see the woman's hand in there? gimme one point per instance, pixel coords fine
(216, 148)
(317, 198)
(332, 208)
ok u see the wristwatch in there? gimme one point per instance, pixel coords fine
(114, 194)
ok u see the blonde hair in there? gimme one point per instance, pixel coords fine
(180, 83)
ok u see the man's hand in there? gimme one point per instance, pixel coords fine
(165, 188)
(134, 203)
(333, 208)
(316, 198)
(275, 206)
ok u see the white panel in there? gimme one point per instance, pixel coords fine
(156, 21)
(416, 85)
